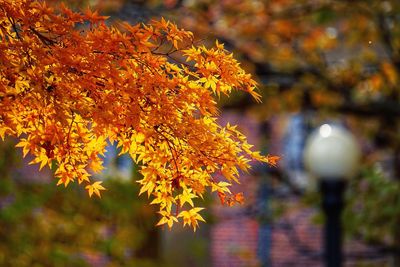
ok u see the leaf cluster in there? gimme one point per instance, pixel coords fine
(69, 84)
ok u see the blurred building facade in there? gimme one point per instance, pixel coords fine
(258, 234)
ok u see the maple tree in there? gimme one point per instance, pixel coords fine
(69, 84)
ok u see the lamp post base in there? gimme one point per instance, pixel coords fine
(332, 204)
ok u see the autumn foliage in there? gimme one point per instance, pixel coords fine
(69, 84)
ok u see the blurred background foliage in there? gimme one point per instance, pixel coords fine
(374, 209)
(45, 225)
(322, 59)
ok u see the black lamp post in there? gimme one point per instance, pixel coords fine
(332, 154)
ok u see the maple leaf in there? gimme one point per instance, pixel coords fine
(94, 17)
(186, 197)
(96, 187)
(239, 198)
(272, 160)
(166, 219)
(191, 217)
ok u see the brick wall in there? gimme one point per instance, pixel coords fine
(234, 243)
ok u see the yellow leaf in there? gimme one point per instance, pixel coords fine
(95, 188)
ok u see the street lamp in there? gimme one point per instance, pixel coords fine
(332, 154)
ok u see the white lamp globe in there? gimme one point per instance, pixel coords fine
(331, 152)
